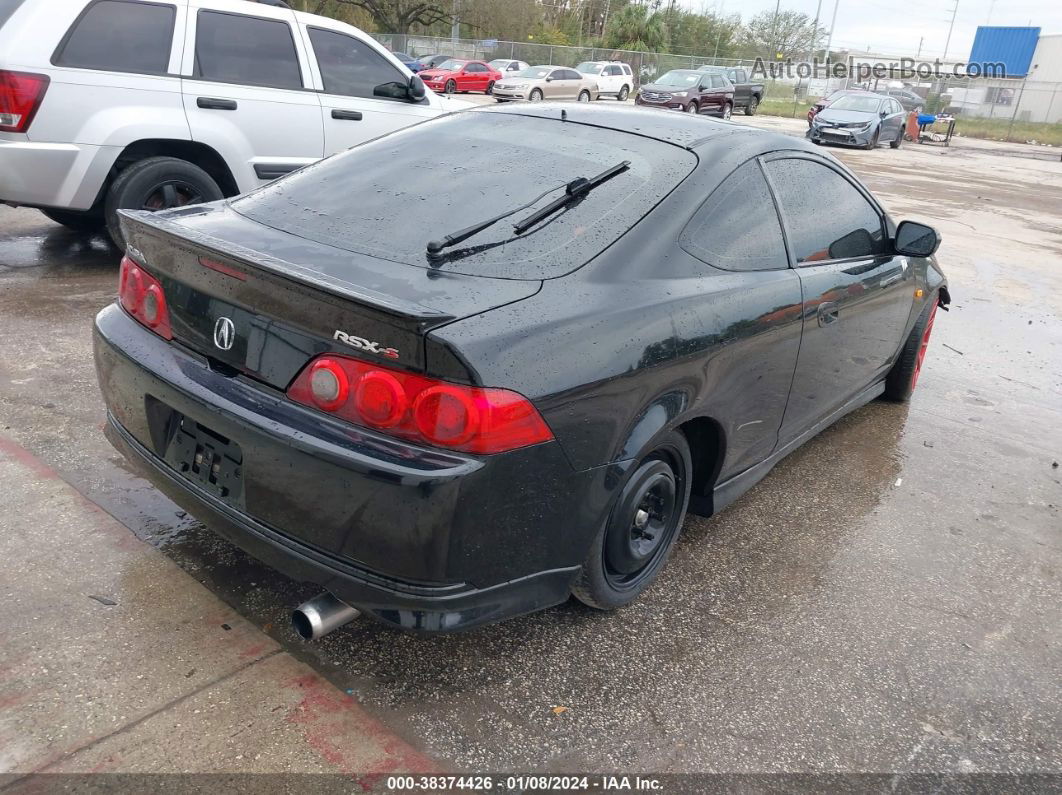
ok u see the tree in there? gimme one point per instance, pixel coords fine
(399, 16)
(704, 34)
(635, 27)
(788, 33)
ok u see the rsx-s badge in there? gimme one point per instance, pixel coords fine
(363, 344)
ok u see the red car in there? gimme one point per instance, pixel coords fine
(459, 75)
(832, 97)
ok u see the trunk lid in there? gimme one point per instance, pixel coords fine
(289, 299)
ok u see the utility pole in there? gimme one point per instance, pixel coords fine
(951, 27)
(815, 31)
(774, 30)
(833, 24)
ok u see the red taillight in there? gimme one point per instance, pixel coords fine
(454, 416)
(20, 96)
(142, 296)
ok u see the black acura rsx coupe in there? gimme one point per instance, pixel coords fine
(471, 368)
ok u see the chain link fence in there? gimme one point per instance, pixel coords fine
(997, 108)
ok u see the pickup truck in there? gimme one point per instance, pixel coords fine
(747, 95)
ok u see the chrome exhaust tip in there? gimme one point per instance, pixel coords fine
(319, 616)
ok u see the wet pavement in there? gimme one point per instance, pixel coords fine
(887, 599)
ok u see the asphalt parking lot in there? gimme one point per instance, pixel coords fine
(886, 600)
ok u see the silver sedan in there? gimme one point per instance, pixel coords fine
(546, 82)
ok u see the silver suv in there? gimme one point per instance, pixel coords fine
(118, 104)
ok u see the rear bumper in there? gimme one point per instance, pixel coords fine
(416, 537)
(53, 175)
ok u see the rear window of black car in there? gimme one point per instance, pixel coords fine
(390, 197)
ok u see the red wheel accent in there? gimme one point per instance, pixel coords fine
(924, 346)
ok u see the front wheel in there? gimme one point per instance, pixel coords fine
(623, 94)
(728, 111)
(584, 96)
(157, 183)
(902, 378)
(490, 87)
(641, 529)
(691, 108)
(78, 220)
(535, 96)
(451, 87)
(873, 142)
(750, 109)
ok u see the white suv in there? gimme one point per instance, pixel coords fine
(614, 78)
(149, 104)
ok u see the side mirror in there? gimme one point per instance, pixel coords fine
(549, 79)
(416, 89)
(916, 240)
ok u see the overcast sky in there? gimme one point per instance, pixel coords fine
(895, 26)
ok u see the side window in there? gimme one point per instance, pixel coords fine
(717, 81)
(231, 48)
(627, 70)
(475, 68)
(350, 67)
(120, 36)
(737, 228)
(826, 216)
(615, 71)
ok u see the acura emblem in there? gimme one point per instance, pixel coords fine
(224, 333)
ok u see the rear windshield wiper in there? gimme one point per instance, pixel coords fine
(573, 192)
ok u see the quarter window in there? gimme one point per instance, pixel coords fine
(231, 48)
(737, 228)
(826, 216)
(120, 36)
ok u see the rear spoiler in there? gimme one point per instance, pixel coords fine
(131, 219)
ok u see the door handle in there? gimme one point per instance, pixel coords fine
(347, 115)
(211, 103)
(828, 313)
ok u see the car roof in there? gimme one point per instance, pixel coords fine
(680, 129)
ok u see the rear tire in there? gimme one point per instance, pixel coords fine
(750, 109)
(490, 87)
(899, 140)
(646, 519)
(903, 377)
(623, 94)
(728, 111)
(78, 220)
(157, 183)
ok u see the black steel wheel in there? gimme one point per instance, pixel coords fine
(641, 529)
